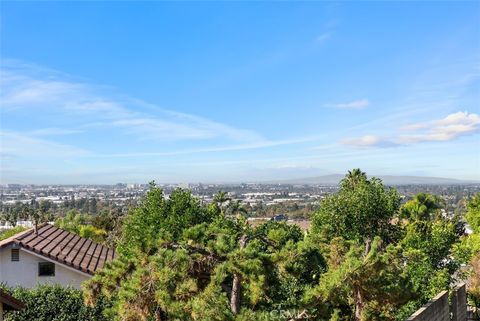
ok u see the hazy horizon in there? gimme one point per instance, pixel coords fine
(231, 92)
(328, 179)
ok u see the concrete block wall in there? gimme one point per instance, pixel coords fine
(459, 303)
(435, 310)
(439, 309)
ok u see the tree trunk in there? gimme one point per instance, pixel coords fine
(236, 286)
(359, 305)
(235, 298)
(368, 244)
(359, 302)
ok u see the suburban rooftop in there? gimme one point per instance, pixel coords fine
(64, 247)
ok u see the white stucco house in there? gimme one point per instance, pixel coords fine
(50, 256)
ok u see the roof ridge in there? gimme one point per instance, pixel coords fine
(84, 254)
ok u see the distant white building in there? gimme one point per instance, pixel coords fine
(25, 224)
(50, 256)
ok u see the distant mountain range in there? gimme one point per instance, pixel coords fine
(334, 179)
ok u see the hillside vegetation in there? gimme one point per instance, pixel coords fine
(366, 257)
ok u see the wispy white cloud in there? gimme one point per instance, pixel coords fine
(215, 149)
(448, 128)
(18, 145)
(53, 131)
(327, 32)
(40, 92)
(87, 112)
(445, 129)
(356, 104)
(321, 38)
(368, 141)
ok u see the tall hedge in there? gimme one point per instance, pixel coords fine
(54, 303)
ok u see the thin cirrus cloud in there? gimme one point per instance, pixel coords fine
(356, 104)
(43, 91)
(368, 141)
(81, 110)
(449, 128)
(328, 30)
(18, 145)
(321, 38)
(216, 149)
(53, 131)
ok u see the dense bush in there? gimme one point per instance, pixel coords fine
(54, 303)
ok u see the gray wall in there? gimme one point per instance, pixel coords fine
(438, 309)
(435, 310)
(459, 303)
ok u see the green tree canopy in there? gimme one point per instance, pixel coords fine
(473, 213)
(423, 206)
(364, 259)
(361, 210)
(180, 260)
(369, 285)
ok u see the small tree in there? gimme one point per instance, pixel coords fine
(423, 206)
(10, 214)
(372, 283)
(473, 213)
(362, 209)
(474, 282)
(237, 208)
(221, 198)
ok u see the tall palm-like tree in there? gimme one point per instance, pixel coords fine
(237, 208)
(422, 206)
(354, 177)
(221, 198)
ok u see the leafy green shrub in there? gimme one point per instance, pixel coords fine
(11, 232)
(54, 303)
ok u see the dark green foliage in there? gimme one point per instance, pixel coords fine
(428, 245)
(362, 209)
(469, 245)
(434, 238)
(473, 213)
(55, 303)
(179, 260)
(158, 219)
(422, 207)
(365, 259)
(372, 283)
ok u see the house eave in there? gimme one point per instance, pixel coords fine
(56, 261)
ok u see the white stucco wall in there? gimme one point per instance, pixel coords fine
(25, 272)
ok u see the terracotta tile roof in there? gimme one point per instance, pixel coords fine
(65, 247)
(10, 302)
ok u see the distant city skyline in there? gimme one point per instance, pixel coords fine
(107, 92)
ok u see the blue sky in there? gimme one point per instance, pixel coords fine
(105, 92)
